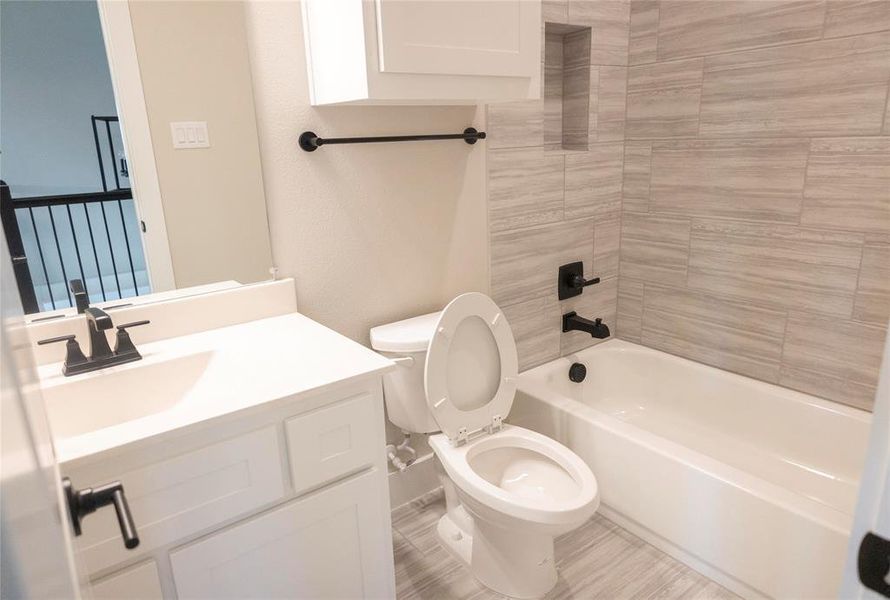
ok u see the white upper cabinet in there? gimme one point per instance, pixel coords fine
(422, 52)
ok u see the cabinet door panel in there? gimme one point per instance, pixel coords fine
(331, 544)
(136, 583)
(459, 37)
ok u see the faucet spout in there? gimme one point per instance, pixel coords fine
(98, 321)
(596, 328)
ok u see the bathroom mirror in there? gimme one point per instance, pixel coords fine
(130, 151)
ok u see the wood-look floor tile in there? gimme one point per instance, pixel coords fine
(689, 28)
(643, 31)
(733, 335)
(555, 11)
(593, 181)
(873, 292)
(524, 262)
(775, 265)
(663, 99)
(654, 247)
(848, 184)
(827, 87)
(759, 180)
(525, 187)
(854, 17)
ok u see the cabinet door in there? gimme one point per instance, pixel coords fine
(136, 583)
(335, 543)
(459, 37)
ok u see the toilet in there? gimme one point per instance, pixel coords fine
(509, 491)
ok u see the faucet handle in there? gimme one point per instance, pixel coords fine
(73, 354)
(123, 344)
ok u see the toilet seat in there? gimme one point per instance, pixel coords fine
(546, 510)
(459, 342)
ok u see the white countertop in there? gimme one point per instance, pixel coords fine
(229, 369)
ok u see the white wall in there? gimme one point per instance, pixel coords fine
(372, 233)
(53, 76)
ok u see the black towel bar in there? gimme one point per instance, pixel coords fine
(310, 142)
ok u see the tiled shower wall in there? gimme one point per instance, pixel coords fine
(756, 216)
(550, 201)
(754, 206)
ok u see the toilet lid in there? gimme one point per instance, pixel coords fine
(471, 366)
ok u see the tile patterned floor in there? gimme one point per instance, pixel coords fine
(597, 560)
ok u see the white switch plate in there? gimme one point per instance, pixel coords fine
(190, 134)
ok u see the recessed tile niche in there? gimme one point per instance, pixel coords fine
(566, 86)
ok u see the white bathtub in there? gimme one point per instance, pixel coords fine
(750, 483)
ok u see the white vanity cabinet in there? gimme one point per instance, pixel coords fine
(430, 52)
(287, 500)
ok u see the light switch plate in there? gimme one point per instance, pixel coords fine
(190, 134)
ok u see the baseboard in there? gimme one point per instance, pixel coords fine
(415, 481)
(711, 572)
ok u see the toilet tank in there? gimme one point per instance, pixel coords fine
(403, 388)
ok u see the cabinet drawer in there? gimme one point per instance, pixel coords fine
(136, 583)
(332, 441)
(181, 495)
(332, 544)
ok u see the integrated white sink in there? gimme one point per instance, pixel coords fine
(82, 404)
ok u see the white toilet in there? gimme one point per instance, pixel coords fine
(509, 491)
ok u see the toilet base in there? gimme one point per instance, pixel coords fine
(510, 563)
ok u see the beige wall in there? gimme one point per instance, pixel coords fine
(549, 202)
(756, 224)
(372, 233)
(194, 66)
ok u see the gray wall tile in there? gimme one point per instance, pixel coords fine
(759, 180)
(515, 124)
(610, 104)
(873, 293)
(536, 329)
(575, 112)
(780, 265)
(696, 28)
(606, 246)
(609, 21)
(848, 184)
(637, 161)
(593, 181)
(817, 383)
(643, 31)
(854, 17)
(524, 262)
(654, 248)
(525, 187)
(828, 87)
(630, 309)
(729, 334)
(663, 99)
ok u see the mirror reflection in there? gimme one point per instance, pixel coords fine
(130, 153)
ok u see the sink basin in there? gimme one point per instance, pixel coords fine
(101, 399)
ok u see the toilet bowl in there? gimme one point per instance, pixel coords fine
(509, 491)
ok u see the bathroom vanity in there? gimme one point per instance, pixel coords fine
(251, 453)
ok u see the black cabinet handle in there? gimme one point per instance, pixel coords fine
(86, 501)
(874, 563)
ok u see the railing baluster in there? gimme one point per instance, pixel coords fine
(52, 222)
(42, 261)
(83, 276)
(99, 155)
(120, 207)
(86, 213)
(111, 250)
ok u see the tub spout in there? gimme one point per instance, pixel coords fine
(596, 328)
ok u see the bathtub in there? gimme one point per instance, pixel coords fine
(749, 483)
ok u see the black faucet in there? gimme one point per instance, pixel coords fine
(81, 299)
(101, 355)
(596, 328)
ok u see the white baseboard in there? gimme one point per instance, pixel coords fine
(415, 481)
